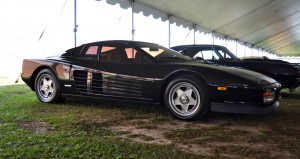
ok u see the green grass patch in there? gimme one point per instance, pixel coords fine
(72, 129)
(141, 136)
(81, 128)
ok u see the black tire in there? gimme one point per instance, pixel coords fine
(47, 87)
(186, 97)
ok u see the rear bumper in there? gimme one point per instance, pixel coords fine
(244, 108)
(27, 80)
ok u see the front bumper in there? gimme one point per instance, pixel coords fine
(287, 80)
(244, 108)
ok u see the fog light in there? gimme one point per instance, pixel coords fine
(268, 96)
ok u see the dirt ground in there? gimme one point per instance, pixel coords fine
(220, 135)
(216, 137)
(276, 135)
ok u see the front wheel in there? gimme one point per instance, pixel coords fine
(47, 87)
(187, 98)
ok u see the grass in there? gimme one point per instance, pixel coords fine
(105, 129)
(73, 130)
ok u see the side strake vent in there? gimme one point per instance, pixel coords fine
(96, 85)
(80, 78)
(88, 82)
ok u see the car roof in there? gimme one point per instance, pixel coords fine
(198, 45)
(75, 51)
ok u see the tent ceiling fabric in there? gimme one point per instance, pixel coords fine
(270, 24)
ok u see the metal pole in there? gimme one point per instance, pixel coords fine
(75, 23)
(236, 52)
(213, 37)
(194, 27)
(169, 29)
(132, 20)
(245, 50)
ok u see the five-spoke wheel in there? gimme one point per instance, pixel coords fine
(186, 98)
(47, 87)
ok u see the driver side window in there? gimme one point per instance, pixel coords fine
(224, 54)
(207, 55)
(113, 54)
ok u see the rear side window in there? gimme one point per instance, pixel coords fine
(118, 53)
(92, 50)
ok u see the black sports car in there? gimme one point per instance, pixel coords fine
(284, 72)
(145, 72)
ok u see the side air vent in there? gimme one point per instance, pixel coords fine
(96, 86)
(88, 82)
(80, 78)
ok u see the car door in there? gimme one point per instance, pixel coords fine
(122, 71)
(205, 53)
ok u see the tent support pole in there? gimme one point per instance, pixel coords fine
(132, 19)
(194, 28)
(245, 50)
(75, 22)
(169, 30)
(236, 48)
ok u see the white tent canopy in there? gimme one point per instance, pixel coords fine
(270, 24)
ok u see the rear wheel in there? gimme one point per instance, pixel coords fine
(187, 98)
(47, 87)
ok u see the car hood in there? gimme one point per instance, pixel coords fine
(235, 73)
(248, 74)
(266, 65)
(264, 60)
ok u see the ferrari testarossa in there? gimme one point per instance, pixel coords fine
(283, 72)
(146, 72)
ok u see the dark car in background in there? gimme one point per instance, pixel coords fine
(146, 72)
(282, 71)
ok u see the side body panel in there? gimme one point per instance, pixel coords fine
(31, 68)
(139, 82)
(129, 82)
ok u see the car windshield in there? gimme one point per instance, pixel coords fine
(161, 53)
(225, 53)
